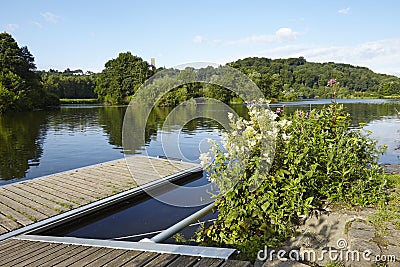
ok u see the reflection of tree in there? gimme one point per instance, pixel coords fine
(21, 139)
(73, 119)
(111, 120)
(368, 112)
(136, 140)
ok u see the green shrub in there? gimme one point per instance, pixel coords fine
(272, 170)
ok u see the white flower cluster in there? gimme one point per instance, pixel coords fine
(205, 160)
(249, 141)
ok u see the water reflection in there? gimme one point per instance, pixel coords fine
(111, 120)
(21, 138)
(38, 143)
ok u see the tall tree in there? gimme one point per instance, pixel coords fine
(121, 78)
(20, 86)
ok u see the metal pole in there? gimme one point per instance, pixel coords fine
(180, 225)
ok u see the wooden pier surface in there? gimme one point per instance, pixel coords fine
(25, 203)
(14, 252)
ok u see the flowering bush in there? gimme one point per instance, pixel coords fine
(283, 166)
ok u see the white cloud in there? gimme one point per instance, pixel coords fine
(281, 35)
(37, 24)
(50, 17)
(344, 11)
(11, 27)
(381, 55)
(217, 42)
(199, 39)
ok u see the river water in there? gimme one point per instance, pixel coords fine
(33, 144)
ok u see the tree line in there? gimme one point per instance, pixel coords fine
(71, 84)
(23, 87)
(293, 78)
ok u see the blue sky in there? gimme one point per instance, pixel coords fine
(85, 34)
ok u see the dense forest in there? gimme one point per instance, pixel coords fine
(293, 78)
(22, 87)
(70, 84)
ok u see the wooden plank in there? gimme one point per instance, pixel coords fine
(80, 180)
(67, 189)
(159, 169)
(209, 262)
(3, 230)
(118, 178)
(120, 166)
(171, 165)
(122, 173)
(21, 219)
(22, 254)
(107, 258)
(236, 263)
(46, 195)
(184, 261)
(142, 259)
(72, 256)
(38, 255)
(124, 258)
(61, 194)
(81, 188)
(147, 174)
(144, 160)
(97, 186)
(36, 198)
(20, 246)
(8, 223)
(162, 260)
(132, 182)
(168, 166)
(92, 257)
(61, 187)
(34, 215)
(144, 167)
(27, 202)
(95, 177)
(8, 243)
(65, 251)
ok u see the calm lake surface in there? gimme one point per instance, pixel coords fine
(33, 144)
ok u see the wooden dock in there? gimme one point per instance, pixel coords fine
(28, 202)
(57, 198)
(15, 252)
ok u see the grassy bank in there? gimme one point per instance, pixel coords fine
(79, 101)
(392, 97)
(388, 213)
